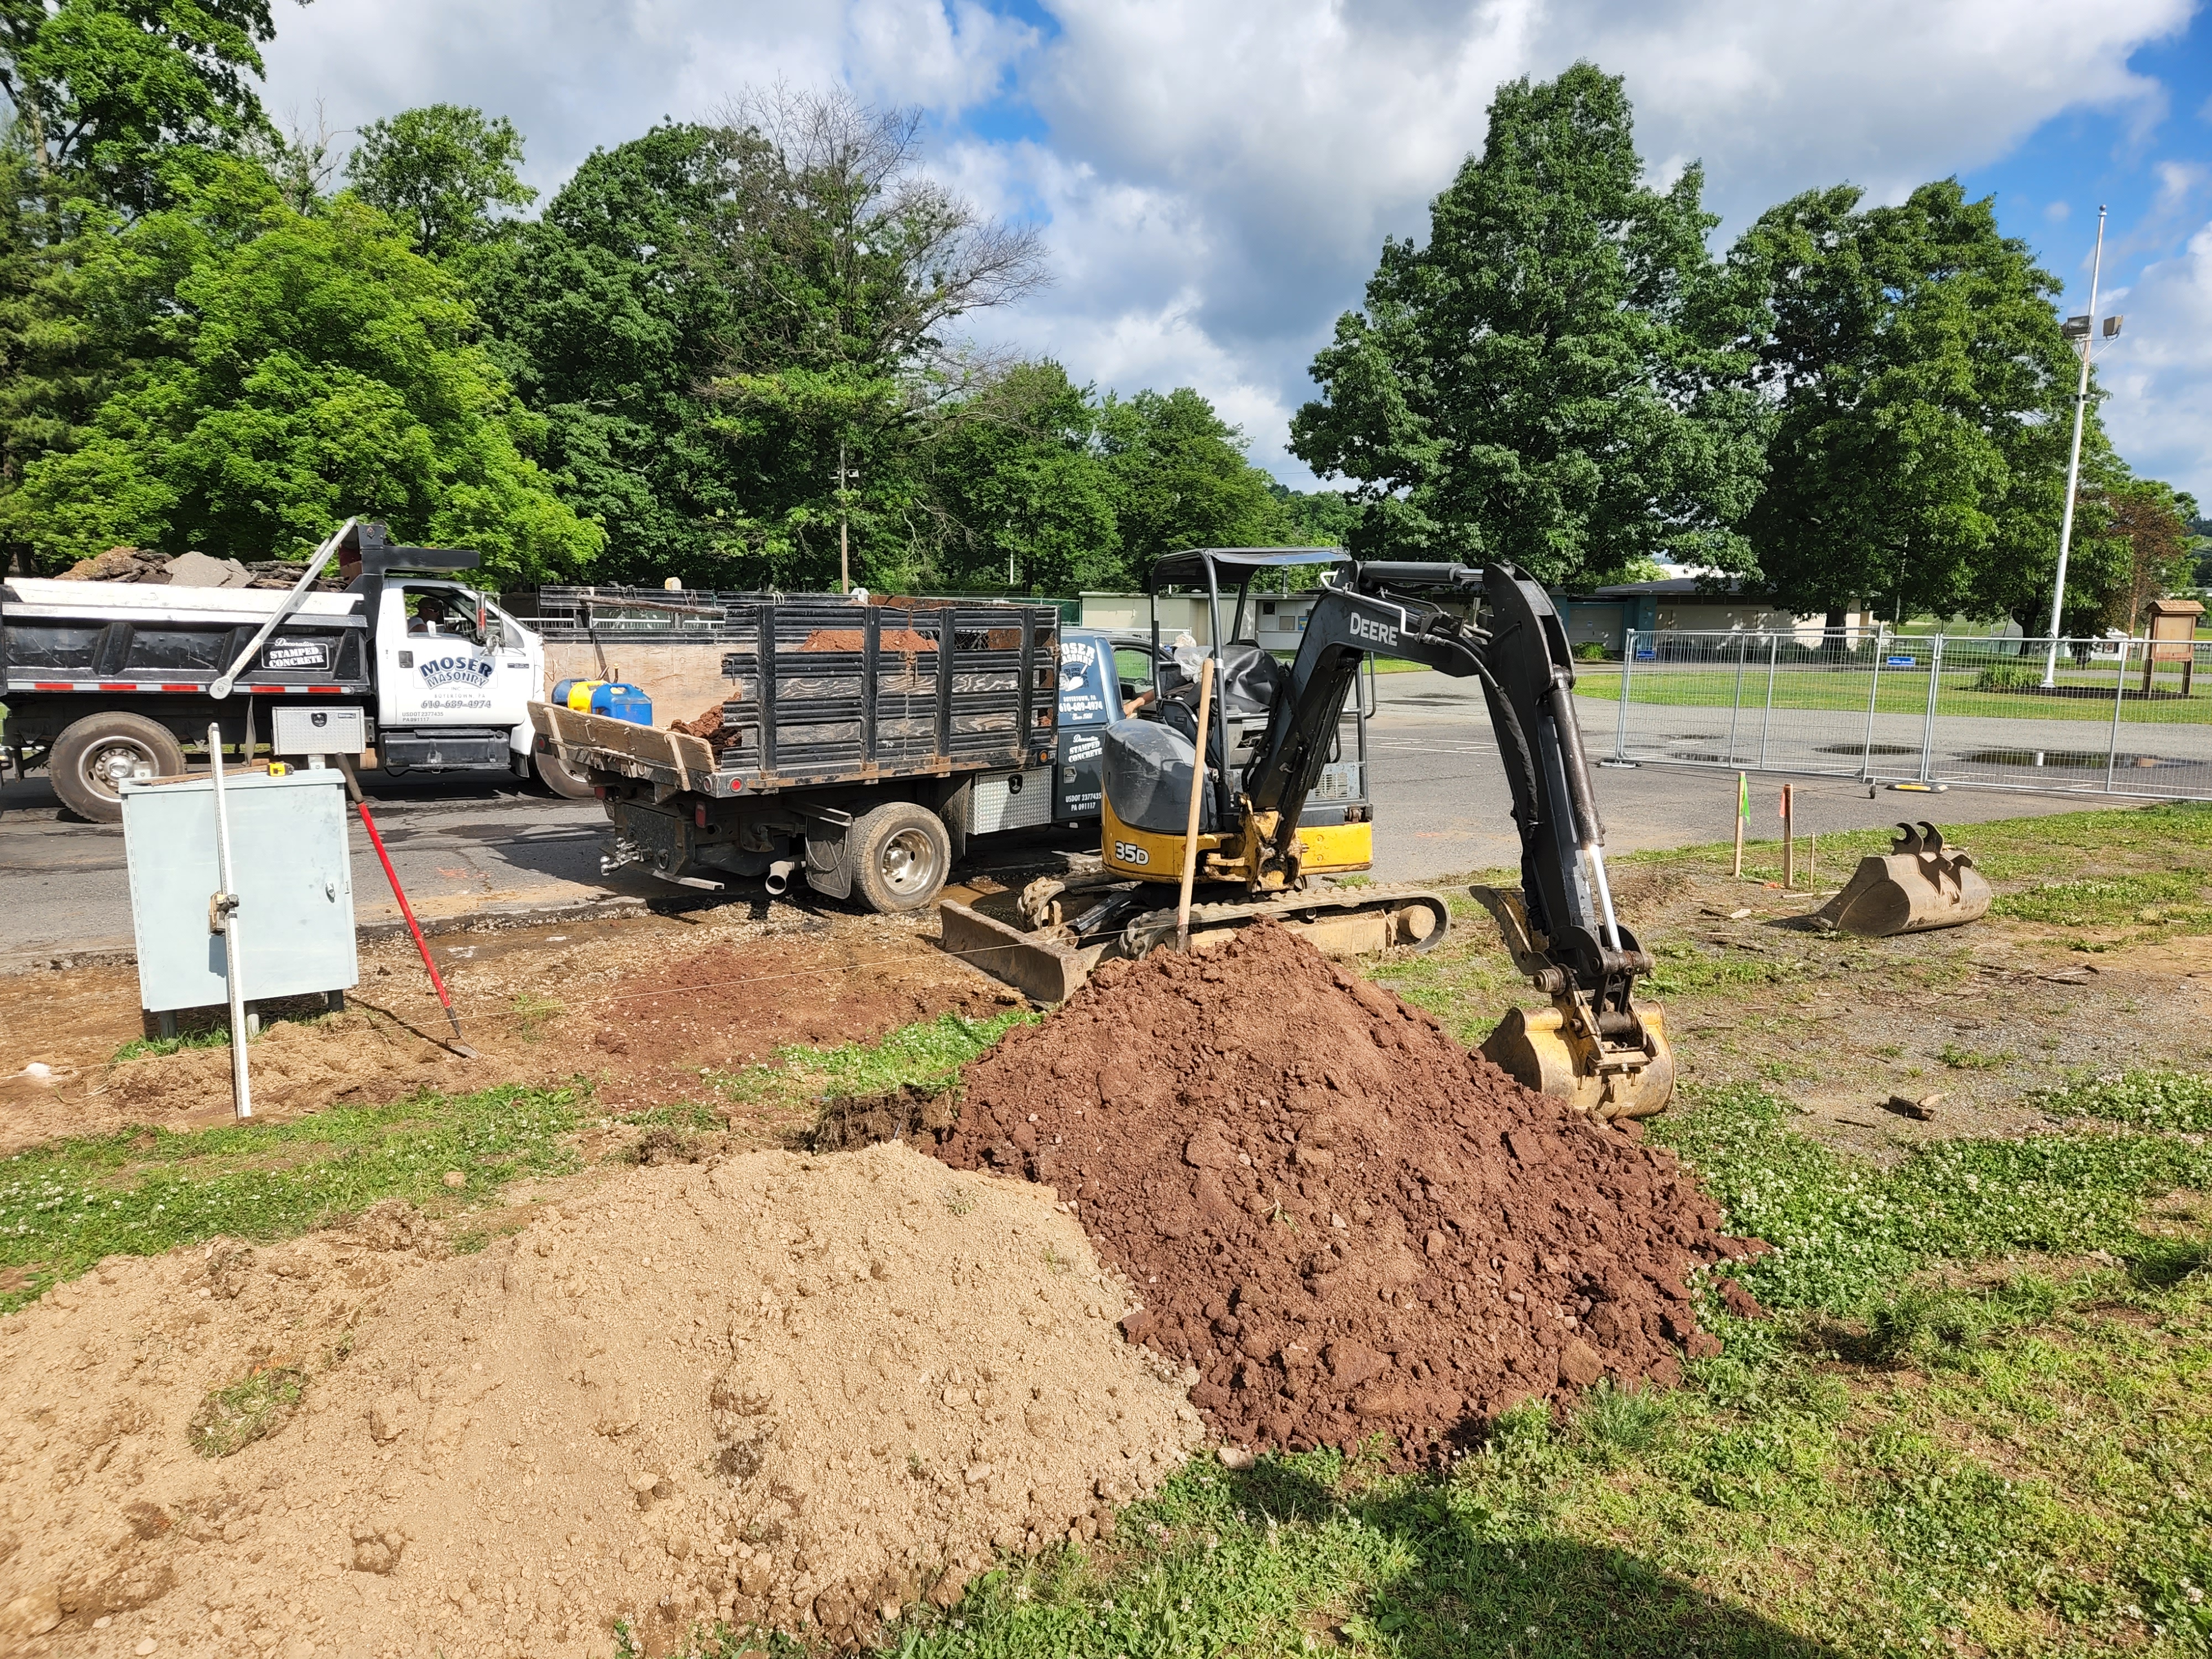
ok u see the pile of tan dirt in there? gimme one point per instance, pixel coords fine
(798, 1390)
(1345, 1220)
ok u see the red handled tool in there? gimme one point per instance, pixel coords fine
(446, 997)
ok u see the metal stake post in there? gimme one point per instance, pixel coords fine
(1927, 722)
(1766, 721)
(2120, 691)
(1620, 718)
(1874, 693)
(222, 916)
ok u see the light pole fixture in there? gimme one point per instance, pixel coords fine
(2082, 331)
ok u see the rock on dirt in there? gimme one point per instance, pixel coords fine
(782, 1389)
(1343, 1218)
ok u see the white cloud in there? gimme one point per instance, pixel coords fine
(1218, 176)
(2159, 374)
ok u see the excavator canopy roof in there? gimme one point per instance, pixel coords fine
(1231, 567)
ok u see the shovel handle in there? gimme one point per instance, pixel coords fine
(360, 806)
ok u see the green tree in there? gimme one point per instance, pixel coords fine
(1022, 495)
(847, 263)
(446, 173)
(609, 316)
(1180, 478)
(291, 370)
(1555, 378)
(1922, 397)
(106, 91)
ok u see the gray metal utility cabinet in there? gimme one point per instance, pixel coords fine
(294, 876)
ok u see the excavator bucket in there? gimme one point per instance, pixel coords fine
(1918, 884)
(1559, 1051)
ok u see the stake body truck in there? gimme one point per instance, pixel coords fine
(860, 745)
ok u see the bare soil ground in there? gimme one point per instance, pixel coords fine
(640, 1006)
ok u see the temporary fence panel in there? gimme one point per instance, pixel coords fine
(2123, 717)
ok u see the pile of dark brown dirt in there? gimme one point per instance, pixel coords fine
(1346, 1221)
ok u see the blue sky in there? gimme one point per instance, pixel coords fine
(1216, 176)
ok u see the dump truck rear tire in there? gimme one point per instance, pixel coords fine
(900, 855)
(553, 772)
(95, 755)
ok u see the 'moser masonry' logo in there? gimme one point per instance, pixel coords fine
(468, 671)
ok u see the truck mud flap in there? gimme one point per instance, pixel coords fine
(1039, 969)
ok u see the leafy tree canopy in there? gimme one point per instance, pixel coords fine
(103, 92)
(1923, 397)
(290, 370)
(1553, 379)
(444, 172)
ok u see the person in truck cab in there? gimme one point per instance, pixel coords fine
(441, 614)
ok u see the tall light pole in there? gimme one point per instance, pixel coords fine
(2086, 332)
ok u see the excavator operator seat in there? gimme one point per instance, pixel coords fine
(1247, 680)
(1148, 766)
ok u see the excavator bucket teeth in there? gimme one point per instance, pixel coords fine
(1919, 884)
(1549, 1050)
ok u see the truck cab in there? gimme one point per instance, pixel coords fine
(455, 678)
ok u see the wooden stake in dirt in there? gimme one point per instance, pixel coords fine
(1743, 811)
(1197, 788)
(1789, 842)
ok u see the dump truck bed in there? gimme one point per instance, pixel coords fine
(820, 691)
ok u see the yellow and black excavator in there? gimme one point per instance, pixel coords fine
(1267, 845)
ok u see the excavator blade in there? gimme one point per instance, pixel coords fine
(1038, 966)
(1044, 965)
(1550, 1050)
(1918, 884)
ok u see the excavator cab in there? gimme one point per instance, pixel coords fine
(1149, 759)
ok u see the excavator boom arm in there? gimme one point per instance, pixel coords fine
(1527, 680)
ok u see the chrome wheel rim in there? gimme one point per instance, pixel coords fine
(909, 862)
(114, 759)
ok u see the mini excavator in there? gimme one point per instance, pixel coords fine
(1264, 850)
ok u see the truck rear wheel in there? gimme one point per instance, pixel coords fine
(900, 855)
(553, 772)
(91, 759)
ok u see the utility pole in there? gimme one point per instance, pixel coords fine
(2086, 334)
(845, 551)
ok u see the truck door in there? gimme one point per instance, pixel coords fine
(1090, 701)
(441, 673)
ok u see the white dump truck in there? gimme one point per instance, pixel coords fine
(108, 680)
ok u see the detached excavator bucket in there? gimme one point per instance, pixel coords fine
(1918, 884)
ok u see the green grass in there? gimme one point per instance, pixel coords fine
(923, 1055)
(1847, 1233)
(250, 1409)
(66, 1204)
(148, 1047)
(2150, 1100)
(1901, 691)
(2108, 901)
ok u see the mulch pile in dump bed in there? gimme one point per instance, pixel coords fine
(1346, 1221)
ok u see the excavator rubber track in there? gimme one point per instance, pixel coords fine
(1338, 921)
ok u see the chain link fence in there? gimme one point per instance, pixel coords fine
(2108, 716)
